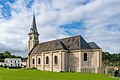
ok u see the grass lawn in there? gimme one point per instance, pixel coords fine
(19, 74)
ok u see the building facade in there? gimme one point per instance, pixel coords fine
(67, 54)
(24, 64)
(3, 64)
(12, 62)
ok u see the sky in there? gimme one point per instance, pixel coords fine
(96, 20)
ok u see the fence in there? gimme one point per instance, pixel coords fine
(109, 70)
(91, 70)
(105, 70)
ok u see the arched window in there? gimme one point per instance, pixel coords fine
(33, 61)
(85, 56)
(38, 60)
(56, 60)
(47, 60)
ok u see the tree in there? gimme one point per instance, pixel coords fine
(7, 54)
(111, 59)
(1, 57)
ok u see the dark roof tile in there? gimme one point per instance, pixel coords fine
(93, 45)
(71, 43)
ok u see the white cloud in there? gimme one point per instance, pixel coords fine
(101, 19)
(103, 25)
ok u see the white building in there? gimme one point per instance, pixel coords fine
(24, 64)
(13, 62)
(2, 64)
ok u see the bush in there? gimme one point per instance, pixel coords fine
(1, 65)
(62, 71)
(33, 68)
(116, 73)
(5, 66)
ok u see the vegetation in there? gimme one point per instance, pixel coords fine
(7, 54)
(20, 74)
(111, 59)
(108, 59)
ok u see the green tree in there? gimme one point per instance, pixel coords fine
(7, 54)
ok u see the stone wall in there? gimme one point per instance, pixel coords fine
(39, 66)
(51, 66)
(85, 64)
(73, 61)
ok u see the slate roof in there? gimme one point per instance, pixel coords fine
(70, 43)
(33, 29)
(93, 45)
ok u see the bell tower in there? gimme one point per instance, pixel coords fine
(33, 35)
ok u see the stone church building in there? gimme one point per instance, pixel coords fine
(67, 54)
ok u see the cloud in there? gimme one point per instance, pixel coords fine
(103, 25)
(99, 22)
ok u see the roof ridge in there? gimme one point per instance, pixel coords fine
(32, 49)
(84, 43)
(61, 39)
(90, 42)
(62, 44)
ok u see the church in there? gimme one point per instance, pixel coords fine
(66, 54)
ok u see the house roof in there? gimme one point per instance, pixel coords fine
(70, 43)
(93, 45)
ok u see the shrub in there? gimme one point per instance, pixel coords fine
(62, 71)
(5, 66)
(116, 73)
(1, 65)
(33, 68)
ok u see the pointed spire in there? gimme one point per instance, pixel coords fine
(34, 22)
(34, 28)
